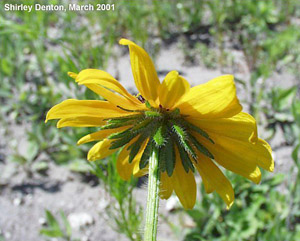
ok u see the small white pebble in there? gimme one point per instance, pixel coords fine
(171, 203)
(78, 220)
(17, 201)
(42, 221)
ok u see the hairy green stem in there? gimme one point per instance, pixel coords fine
(153, 197)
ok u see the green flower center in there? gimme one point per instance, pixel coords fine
(163, 129)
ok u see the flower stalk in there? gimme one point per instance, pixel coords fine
(153, 197)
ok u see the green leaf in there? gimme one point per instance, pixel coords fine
(152, 114)
(122, 141)
(282, 98)
(146, 155)
(140, 127)
(197, 129)
(159, 136)
(148, 105)
(121, 134)
(129, 110)
(200, 147)
(135, 147)
(52, 222)
(170, 158)
(295, 155)
(183, 141)
(117, 125)
(185, 159)
(66, 224)
(124, 118)
(52, 233)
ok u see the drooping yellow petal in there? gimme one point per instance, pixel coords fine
(143, 70)
(263, 157)
(115, 99)
(207, 186)
(80, 122)
(126, 169)
(166, 188)
(98, 77)
(216, 179)
(72, 108)
(241, 126)
(214, 99)
(233, 156)
(258, 153)
(137, 172)
(100, 135)
(184, 184)
(100, 150)
(172, 89)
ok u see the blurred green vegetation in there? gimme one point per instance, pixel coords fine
(38, 49)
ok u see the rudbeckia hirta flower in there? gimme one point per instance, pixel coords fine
(200, 128)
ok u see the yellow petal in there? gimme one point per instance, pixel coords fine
(98, 77)
(207, 186)
(126, 169)
(172, 89)
(115, 99)
(233, 155)
(264, 157)
(137, 172)
(166, 188)
(241, 126)
(100, 135)
(72, 75)
(214, 99)
(258, 153)
(100, 150)
(216, 179)
(143, 71)
(72, 108)
(184, 184)
(80, 122)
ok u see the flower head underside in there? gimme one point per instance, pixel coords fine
(198, 128)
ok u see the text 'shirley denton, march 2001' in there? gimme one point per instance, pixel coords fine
(58, 7)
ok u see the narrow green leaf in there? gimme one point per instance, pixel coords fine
(170, 158)
(179, 131)
(124, 118)
(175, 113)
(135, 147)
(295, 156)
(129, 110)
(162, 159)
(185, 159)
(146, 155)
(121, 134)
(53, 233)
(142, 125)
(66, 224)
(152, 114)
(122, 141)
(148, 105)
(52, 222)
(196, 129)
(200, 147)
(159, 136)
(117, 125)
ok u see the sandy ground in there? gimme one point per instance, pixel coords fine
(23, 200)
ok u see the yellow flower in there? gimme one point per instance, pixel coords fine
(201, 127)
